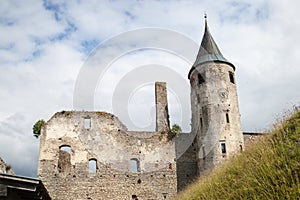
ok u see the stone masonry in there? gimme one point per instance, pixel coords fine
(129, 164)
(5, 168)
(92, 155)
(162, 113)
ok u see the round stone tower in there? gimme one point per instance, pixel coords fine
(214, 103)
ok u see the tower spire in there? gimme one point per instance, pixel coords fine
(205, 26)
(209, 51)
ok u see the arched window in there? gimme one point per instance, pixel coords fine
(64, 159)
(66, 148)
(134, 165)
(92, 165)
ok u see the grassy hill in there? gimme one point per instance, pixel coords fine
(269, 169)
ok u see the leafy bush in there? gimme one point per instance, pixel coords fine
(175, 130)
(37, 128)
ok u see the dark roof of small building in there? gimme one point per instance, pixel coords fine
(254, 133)
(18, 187)
(209, 51)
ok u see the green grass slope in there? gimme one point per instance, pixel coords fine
(269, 169)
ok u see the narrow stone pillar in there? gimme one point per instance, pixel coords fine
(162, 113)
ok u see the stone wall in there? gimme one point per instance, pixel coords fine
(128, 164)
(187, 170)
(251, 137)
(5, 168)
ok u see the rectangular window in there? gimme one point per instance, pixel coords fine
(200, 79)
(87, 123)
(227, 117)
(92, 166)
(134, 165)
(223, 147)
(231, 77)
(201, 122)
(139, 142)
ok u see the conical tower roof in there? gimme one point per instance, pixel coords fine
(209, 51)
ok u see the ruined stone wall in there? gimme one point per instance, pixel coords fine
(186, 164)
(5, 168)
(71, 140)
(251, 137)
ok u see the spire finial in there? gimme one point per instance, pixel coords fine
(205, 18)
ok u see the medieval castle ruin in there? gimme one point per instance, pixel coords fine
(92, 155)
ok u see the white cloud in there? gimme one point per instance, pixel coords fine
(24, 28)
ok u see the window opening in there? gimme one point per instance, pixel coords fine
(66, 148)
(201, 122)
(134, 197)
(93, 166)
(165, 195)
(200, 79)
(227, 117)
(64, 159)
(241, 148)
(231, 77)
(87, 123)
(134, 165)
(139, 142)
(223, 147)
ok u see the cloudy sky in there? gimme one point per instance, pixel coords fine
(45, 44)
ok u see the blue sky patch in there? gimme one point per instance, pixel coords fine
(89, 45)
(55, 8)
(63, 35)
(129, 14)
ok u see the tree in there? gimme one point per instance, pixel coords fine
(37, 128)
